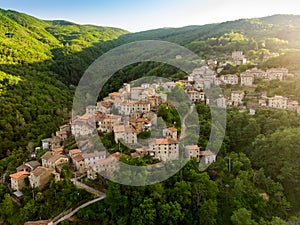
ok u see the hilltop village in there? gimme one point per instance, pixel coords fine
(132, 111)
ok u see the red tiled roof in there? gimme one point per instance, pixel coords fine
(114, 94)
(74, 151)
(78, 158)
(18, 175)
(172, 129)
(85, 117)
(136, 120)
(192, 147)
(57, 149)
(61, 132)
(207, 153)
(163, 141)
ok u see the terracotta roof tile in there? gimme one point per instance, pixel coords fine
(74, 151)
(207, 153)
(192, 147)
(18, 175)
(78, 158)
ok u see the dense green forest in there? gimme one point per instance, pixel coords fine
(41, 63)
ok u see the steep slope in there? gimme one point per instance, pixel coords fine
(35, 96)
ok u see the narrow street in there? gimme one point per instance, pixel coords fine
(87, 188)
(183, 128)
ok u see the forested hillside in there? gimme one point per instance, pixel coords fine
(39, 60)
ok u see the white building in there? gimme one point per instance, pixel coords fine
(230, 79)
(90, 159)
(237, 97)
(276, 73)
(196, 96)
(247, 79)
(278, 102)
(208, 157)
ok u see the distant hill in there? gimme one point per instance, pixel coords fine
(244, 34)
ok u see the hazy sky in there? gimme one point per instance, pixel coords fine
(138, 15)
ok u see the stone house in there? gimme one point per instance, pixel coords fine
(164, 149)
(63, 135)
(107, 166)
(92, 158)
(140, 124)
(17, 180)
(53, 160)
(41, 176)
(83, 125)
(170, 132)
(90, 109)
(293, 105)
(28, 166)
(126, 133)
(134, 106)
(106, 124)
(238, 58)
(221, 102)
(74, 152)
(193, 151)
(135, 92)
(56, 142)
(104, 106)
(66, 127)
(78, 162)
(257, 73)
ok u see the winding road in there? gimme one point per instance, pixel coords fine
(88, 189)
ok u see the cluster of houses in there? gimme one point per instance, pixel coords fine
(133, 110)
(248, 77)
(204, 77)
(126, 114)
